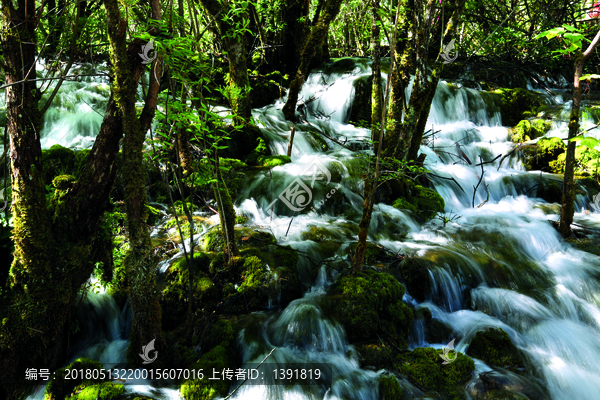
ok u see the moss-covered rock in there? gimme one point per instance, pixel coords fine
(425, 367)
(62, 384)
(370, 303)
(415, 275)
(527, 130)
(273, 161)
(104, 391)
(375, 356)
(549, 190)
(428, 202)
(515, 102)
(259, 150)
(494, 347)
(435, 330)
(389, 387)
(543, 155)
(587, 162)
(403, 204)
(205, 389)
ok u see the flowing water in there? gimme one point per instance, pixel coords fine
(549, 298)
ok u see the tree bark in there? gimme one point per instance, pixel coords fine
(376, 135)
(567, 209)
(140, 263)
(315, 40)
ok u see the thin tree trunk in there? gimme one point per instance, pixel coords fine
(376, 134)
(567, 209)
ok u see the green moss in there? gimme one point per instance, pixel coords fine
(587, 162)
(515, 102)
(317, 141)
(369, 303)
(375, 356)
(549, 190)
(60, 387)
(543, 155)
(205, 389)
(273, 161)
(425, 367)
(222, 332)
(403, 204)
(63, 182)
(494, 347)
(261, 150)
(428, 202)
(527, 130)
(389, 388)
(104, 391)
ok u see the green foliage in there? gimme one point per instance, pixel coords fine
(104, 391)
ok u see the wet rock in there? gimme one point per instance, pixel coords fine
(370, 303)
(375, 356)
(425, 367)
(515, 102)
(501, 384)
(389, 387)
(494, 347)
(436, 331)
(549, 190)
(415, 275)
(527, 130)
(265, 88)
(544, 155)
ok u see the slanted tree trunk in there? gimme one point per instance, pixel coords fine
(315, 40)
(235, 46)
(226, 216)
(376, 135)
(140, 263)
(568, 197)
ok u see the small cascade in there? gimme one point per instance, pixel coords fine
(497, 263)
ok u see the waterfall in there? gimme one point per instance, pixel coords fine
(501, 264)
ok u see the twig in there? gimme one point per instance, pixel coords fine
(478, 183)
(242, 384)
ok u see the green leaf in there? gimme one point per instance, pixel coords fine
(589, 76)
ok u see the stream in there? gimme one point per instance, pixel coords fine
(552, 313)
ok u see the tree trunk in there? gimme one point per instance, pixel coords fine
(235, 46)
(56, 244)
(568, 197)
(140, 263)
(315, 40)
(226, 216)
(376, 134)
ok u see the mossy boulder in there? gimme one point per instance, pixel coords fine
(403, 204)
(57, 160)
(544, 154)
(259, 151)
(273, 161)
(376, 356)
(549, 190)
(436, 331)
(527, 130)
(494, 347)
(428, 202)
(244, 143)
(415, 275)
(501, 384)
(60, 386)
(389, 387)
(204, 389)
(104, 391)
(425, 367)
(370, 303)
(515, 102)
(374, 253)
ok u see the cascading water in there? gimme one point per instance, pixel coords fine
(502, 264)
